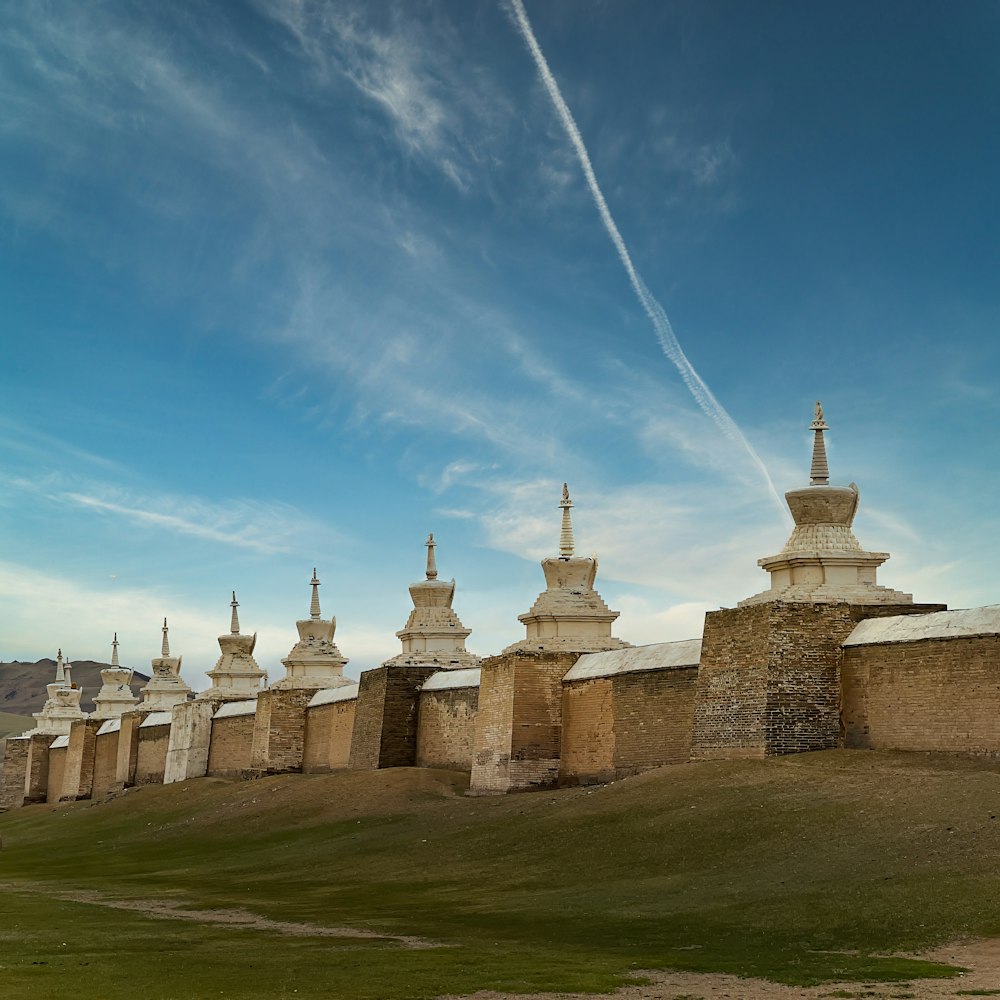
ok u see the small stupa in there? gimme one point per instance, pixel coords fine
(314, 661)
(822, 561)
(433, 634)
(569, 614)
(115, 695)
(236, 675)
(165, 688)
(62, 705)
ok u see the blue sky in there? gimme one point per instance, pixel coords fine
(288, 284)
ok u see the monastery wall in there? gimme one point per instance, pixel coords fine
(13, 777)
(190, 738)
(128, 747)
(106, 760)
(329, 729)
(279, 730)
(78, 767)
(231, 749)
(36, 784)
(447, 720)
(151, 752)
(385, 722)
(931, 683)
(57, 768)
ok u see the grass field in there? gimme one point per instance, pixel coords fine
(13, 725)
(801, 870)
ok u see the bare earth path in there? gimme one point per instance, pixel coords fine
(981, 958)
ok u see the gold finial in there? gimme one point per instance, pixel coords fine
(431, 564)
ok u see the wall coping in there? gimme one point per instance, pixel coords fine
(233, 709)
(329, 696)
(156, 719)
(448, 680)
(59, 743)
(658, 656)
(935, 625)
(111, 726)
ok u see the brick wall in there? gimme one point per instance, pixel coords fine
(105, 765)
(329, 729)
(385, 719)
(446, 728)
(128, 747)
(231, 748)
(519, 721)
(13, 778)
(279, 731)
(930, 694)
(190, 739)
(151, 754)
(37, 777)
(78, 765)
(588, 735)
(769, 681)
(57, 768)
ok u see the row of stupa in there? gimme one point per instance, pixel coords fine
(822, 562)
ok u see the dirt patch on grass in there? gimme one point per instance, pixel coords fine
(169, 909)
(981, 958)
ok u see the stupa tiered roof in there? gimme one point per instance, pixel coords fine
(166, 687)
(236, 675)
(115, 695)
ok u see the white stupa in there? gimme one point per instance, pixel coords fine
(115, 695)
(433, 635)
(62, 706)
(314, 661)
(236, 675)
(165, 688)
(569, 614)
(822, 561)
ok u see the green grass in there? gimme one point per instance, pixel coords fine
(801, 870)
(14, 725)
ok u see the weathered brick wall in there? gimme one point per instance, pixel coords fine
(151, 754)
(329, 729)
(57, 768)
(78, 769)
(105, 765)
(588, 735)
(446, 728)
(654, 718)
(13, 778)
(930, 694)
(37, 778)
(519, 721)
(279, 731)
(769, 681)
(385, 719)
(229, 754)
(128, 747)
(190, 739)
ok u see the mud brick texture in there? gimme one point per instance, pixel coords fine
(13, 778)
(128, 748)
(57, 769)
(769, 679)
(519, 721)
(929, 694)
(329, 729)
(385, 719)
(151, 754)
(279, 731)
(446, 728)
(620, 725)
(78, 766)
(105, 765)
(230, 751)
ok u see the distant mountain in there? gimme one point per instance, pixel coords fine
(22, 685)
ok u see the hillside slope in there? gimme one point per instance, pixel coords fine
(22, 685)
(799, 869)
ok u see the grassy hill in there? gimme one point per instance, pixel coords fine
(11, 725)
(800, 869)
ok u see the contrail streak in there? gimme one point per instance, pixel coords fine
(661, 324)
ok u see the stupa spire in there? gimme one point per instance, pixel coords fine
(234, 625)
(114, 651)
(60, 673)
(819, 472)
(432, 571)
(165, 647)
(67, 673)
(314, 611)
(566, 544)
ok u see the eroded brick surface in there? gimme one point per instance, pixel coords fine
(329, 729)
(447, 723)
